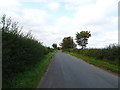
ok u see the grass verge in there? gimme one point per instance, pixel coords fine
(99, 63)
(30, 79)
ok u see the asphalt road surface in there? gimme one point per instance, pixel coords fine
(67, 71)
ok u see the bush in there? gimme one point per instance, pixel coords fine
(109, 53)
(20, 52)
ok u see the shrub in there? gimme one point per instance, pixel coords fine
(109, 53)
(20, 52)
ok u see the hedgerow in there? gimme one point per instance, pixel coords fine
(20, 52)
(109, 54)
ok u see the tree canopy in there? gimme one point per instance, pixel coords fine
(82, 38)
(68, 43)
(54, 45)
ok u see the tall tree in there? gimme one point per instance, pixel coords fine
(54, 45)
(68, 43)
(82, 38)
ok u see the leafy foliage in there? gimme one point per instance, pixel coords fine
(20, 52)
(30, 78)
(50, 49)
(68, 43)
(110, 53)
(82, 38)
(54, 46)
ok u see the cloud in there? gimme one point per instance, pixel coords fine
(63, 21)
(97, 16)
(94, 14)
(53, 6)
(9, 3)
(65, 1)
(35, 17)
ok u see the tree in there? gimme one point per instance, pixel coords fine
(54, 46)
(9, 26)
(68, 43)
(82, 38)
(58, 48)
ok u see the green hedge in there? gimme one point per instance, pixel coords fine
(110, 53)
(20, 52)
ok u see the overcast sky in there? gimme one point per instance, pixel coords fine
(52, 20)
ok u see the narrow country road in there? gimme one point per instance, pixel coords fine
(66, 71)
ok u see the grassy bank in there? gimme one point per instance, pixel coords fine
(104, 64)
(109, 53)
(30, 79)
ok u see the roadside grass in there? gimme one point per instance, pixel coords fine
(103, 64)
(31, 78)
